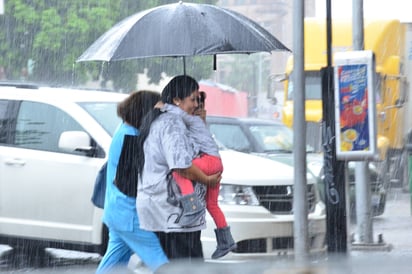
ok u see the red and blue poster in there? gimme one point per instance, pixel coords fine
(355, 105)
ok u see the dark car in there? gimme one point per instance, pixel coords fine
(275, 141)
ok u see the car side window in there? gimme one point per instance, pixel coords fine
(231, 136)
(39, 126)
(5, 122)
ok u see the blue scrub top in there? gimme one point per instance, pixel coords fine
(119, 209)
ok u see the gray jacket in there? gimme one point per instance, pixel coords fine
(198, 131)
(167, 147)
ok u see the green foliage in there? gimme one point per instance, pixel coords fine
(53, 34)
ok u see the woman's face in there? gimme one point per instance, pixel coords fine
(188, 104)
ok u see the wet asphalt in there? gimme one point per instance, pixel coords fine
(391, 252)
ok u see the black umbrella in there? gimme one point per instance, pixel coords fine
(181, 29)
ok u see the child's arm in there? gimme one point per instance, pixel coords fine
(190, 121)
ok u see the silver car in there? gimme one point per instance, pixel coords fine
(275, 140)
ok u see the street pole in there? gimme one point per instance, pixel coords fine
(300, 206)
(362, 183)
(334, 170)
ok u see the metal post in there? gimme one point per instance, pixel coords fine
(408, 147)
(410, 178)
(362, 183)
(300, 207)
(363, 204)
(334, 179)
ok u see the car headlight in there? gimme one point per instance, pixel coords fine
(315, 167)
(237, 195)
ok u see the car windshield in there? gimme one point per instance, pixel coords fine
(274, 138)
(104, 113)
(313, 86)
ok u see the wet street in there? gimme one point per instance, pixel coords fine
(394, 255)
(395, 224)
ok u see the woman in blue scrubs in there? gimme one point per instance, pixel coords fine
(120, 215)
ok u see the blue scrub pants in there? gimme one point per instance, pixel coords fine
(122, 245)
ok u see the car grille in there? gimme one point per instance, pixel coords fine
(279, 199)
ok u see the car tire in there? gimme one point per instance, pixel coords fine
(384, 174)
(105, 240)
(405, 171)
(26, 256)
(380, 209)
(396, 168)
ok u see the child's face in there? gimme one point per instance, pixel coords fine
(189, 104)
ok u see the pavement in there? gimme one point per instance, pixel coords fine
(391, 251)
(392, 255)
(393, 227)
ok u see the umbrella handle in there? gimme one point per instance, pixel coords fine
(184, 65)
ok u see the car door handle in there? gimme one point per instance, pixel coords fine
(15, 162)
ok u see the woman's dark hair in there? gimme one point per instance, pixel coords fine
(136, 106)
(180, 87)
(132, 110)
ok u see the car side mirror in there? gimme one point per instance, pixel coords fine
(272, 80)
(76, 141)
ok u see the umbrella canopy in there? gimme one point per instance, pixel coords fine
(181, 29)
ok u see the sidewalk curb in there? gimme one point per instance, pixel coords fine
(371, 247)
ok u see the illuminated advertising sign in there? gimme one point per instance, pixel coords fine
(355, 105)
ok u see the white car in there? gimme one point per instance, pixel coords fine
(256, 196)
(53, 142)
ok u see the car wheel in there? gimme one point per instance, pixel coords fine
(405, 171)
(105, 240)
(378, 211)
(384, 173)
(27, 256)
(397, 166)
